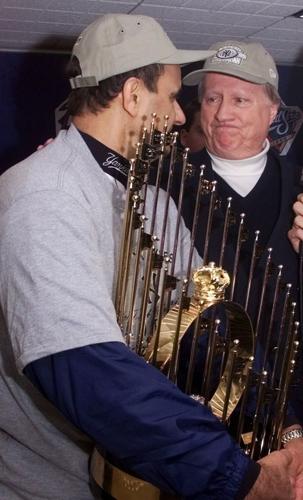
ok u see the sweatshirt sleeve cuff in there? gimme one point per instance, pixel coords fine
(249, 480)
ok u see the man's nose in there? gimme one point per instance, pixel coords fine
(223, 111)
(179, 115)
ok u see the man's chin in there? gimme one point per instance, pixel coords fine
(226, 150)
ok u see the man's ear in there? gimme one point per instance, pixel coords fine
(130, 95)
(273, 112)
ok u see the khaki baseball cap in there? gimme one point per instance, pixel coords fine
(248, 61)
(117, 43)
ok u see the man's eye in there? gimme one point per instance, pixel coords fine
(241, 100)
(212, 99)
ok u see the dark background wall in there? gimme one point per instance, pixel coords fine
(32, 85)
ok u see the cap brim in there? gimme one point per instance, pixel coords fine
(194, 77)
(187, 56)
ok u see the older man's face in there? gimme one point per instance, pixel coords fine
(235, 116)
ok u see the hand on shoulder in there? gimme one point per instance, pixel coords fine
(295, 234)
(48, 141)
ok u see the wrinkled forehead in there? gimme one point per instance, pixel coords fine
(213, 77)
(224, 83)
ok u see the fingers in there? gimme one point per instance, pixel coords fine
(294, 239)
(295, 447)
(298, 205)
(41, 146)
(277, 479)
(282, 458)
(295, 234)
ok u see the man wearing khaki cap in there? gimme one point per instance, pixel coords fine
(238, 88)
(60, 229)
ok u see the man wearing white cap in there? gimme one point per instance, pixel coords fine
(60, 225)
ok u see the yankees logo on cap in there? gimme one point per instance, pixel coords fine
(230, 54)
(249, 61)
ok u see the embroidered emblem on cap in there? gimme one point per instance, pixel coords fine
(229, 54)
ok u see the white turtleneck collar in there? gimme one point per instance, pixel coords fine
(241, 175)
